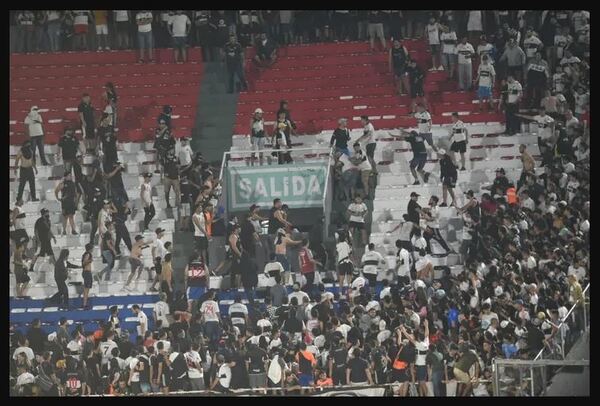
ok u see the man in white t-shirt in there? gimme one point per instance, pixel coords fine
(145, 37)
(545, 126)
(404, 263)
(107, 346)
(179, 28)
(142, 320)
(449, 55)
(357, 212)
(161, 310)
(432, 33)
(459, 138)
(360, 159)
(223, 376)
(465, 66)
(369, 139)
(238, 314)
(159, 249)
(515, 93)
(211, 317)
(350, 173)
(194, 363)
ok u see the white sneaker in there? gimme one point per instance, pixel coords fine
(107, 48)
(431, 69)
(441, 67)
(99, 49)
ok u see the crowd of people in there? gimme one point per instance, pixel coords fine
(391, 319)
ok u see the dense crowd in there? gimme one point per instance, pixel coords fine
(525, 246)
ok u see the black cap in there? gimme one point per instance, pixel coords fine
(501, 170)
(470, 193)
(159, 230)
(254, 206)
(414, 194)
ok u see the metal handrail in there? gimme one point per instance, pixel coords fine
(562, 343)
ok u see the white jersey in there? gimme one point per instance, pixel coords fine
(199, 217)
(162, 309)
(193, 360)
(422, 348)
(357, 212)
(544, 126)
(531, 45)
(147, 194)
(449, 40)
(458, 132)
(106, 347)
(371, 261)
(485, 50)
(465, 52)
(486, 72)
(238, 308)
(343, 252)
(433, 33)
(210, 310)
(514, 91)
(435, 215)
(423, 122)
(404, 262)
(369, 131)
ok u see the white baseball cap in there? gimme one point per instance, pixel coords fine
(441, 151)
(258, 110)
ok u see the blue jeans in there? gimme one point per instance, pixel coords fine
(54, 36)
(344, 151)
(438, 386)
(212, 331)
(110, 262)
(145, 40)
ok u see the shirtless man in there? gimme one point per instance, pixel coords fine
(86, 264)
(135, 259)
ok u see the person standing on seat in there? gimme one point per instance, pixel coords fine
(369, 140)
(61, 274)
(448, 176)
(145, 37)
(179, 27)
(36, 133)
(146, 197)
(459, 138)
(465, 66)
(69, 201)
(515, 93)
(424, 122)
(257, 134)
(88, 124)
(25, 161)
(43, 234)
(432, 215)
(235, 63)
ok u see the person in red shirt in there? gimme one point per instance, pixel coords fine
(307, 265)
(324, 381)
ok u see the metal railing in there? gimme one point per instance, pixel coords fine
(561, 329)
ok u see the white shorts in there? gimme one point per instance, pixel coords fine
(102, 29)
(258, 143)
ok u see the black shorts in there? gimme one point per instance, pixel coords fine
(399, 375)
(418, 161)
(371, 149)
(399, 71)
(449, 182)
(201, 243)
(356, 225)
(87, 279)
(345, 268)
(90, 133)
(459, 146)
(21, 275)
(68, 208)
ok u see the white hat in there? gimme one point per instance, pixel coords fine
(503, 323)
(533, 286)
(488, 301)
(551, 209)
(371, 305)
(280, 231)
(52, 336)
(531, 263)
(498, 291)
(441, 151)
(523, 225)
(585, 226)
(419, 284)
(569, 167)
(258, 110)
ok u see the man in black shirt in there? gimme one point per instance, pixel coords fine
(448, 176)
(417, 144)
(414, 209)
(164, 144)
(118, 194)
(248, 236)
(171, 180)
(416, 78)
(265, 52)
(88, 125)
(358, 372)
(43, 234)
(340, 137)
(500, 184)
(108, 142)
(69, 146)
(234, 61)
(337, 361)
(121, 231)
